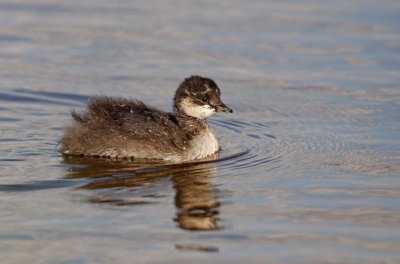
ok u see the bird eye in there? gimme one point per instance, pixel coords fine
(204, 100)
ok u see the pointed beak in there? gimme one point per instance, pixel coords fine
(223, 108)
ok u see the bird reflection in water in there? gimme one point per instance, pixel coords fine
(195, 197)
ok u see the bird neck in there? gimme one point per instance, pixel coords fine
(190, 125)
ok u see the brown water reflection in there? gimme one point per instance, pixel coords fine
(195, 195)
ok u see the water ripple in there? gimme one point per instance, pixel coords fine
(38, 185)
(25, 96)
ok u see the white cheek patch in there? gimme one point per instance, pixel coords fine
(198, 111)
(201, 112)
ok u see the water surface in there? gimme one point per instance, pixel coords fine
(310, 162)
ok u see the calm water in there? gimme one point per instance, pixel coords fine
(310, 166)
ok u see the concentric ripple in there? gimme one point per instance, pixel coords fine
(295, 139)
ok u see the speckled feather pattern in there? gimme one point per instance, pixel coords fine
(124, 128)
(121, 128)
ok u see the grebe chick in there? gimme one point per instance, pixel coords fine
(124, 128)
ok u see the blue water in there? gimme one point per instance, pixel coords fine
(310, 162)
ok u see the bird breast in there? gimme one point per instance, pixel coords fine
(203, 145)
